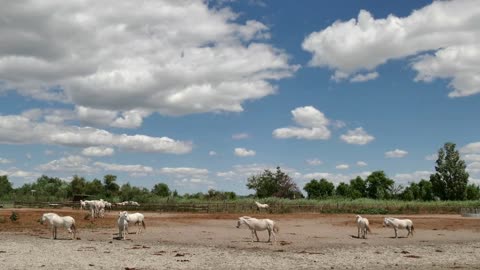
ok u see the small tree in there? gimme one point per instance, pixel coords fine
(319, 189)
(269, 184)
(78, 185)
(343, 190)
(111, 187)
(379, 186)
(5, 186)
(94, 187)
(161, 190)
(473, 192)
(358, 188)
(451, 178)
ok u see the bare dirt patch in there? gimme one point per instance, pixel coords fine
(211, 241)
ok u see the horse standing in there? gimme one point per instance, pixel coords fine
(362, 226)
(259, 225)
(122, 223)
(137, 219)
(57, 221)
(396, 224)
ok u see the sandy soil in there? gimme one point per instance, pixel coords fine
(211, 241)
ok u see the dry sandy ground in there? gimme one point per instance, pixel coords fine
(211, 241)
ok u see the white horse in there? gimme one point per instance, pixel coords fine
(57, 221)
(259, 225)
(399, 224)
(83, 205)
(362, 226)
(261, 205)
(122, 223)
(136, 219)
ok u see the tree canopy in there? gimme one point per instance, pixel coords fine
(269, 184)
(319, 189)
(451, 178)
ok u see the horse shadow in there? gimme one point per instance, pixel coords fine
(121, 239)
(60, 239)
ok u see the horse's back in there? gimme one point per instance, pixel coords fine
(69, 219)
(136, 217)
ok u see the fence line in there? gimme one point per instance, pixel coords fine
(470, 212)
(245, 207)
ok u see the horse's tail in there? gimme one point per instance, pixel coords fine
(368, 228)
(276, 229)
(144, 226)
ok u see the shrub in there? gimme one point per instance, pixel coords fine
(14, 216)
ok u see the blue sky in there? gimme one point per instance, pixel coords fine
(203, 94)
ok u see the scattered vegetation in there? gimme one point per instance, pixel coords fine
(14, 216)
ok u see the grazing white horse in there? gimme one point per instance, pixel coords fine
(259, 225)
(57, 221)
(122, 223)
(362, 226)
(261, 205)
(396, 224)
(137, 219)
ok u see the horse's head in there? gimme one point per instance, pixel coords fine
(357, 217)
(386, 222)
(43, 219)
(241, 220)
(124, 215)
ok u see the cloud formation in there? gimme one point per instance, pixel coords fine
(313, 125)
(357, 136)
(97, 151)
(17, 129)
(397, 153)
(243, 152)
(443, 38)
(118, 58)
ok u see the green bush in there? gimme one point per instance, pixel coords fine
(14, 216)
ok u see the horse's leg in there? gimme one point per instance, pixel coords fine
(253, 234)
(269, 234)
(395, 232)
(55, 233)
(258, 240)
(358, 229)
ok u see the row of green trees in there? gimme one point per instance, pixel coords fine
(450, 182)
(52, 188)
(47, 188)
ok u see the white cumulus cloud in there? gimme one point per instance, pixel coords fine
(361, 164)
(132, 169)
(97, 151)
(313, 125)
(314, 161)
(16, 129)
(442, 38)
(357, 136)
(397, 153)
(242, 152)
(72, 164)
(120, 57)
(342, 166)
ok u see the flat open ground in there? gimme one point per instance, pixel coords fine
(211, 241)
